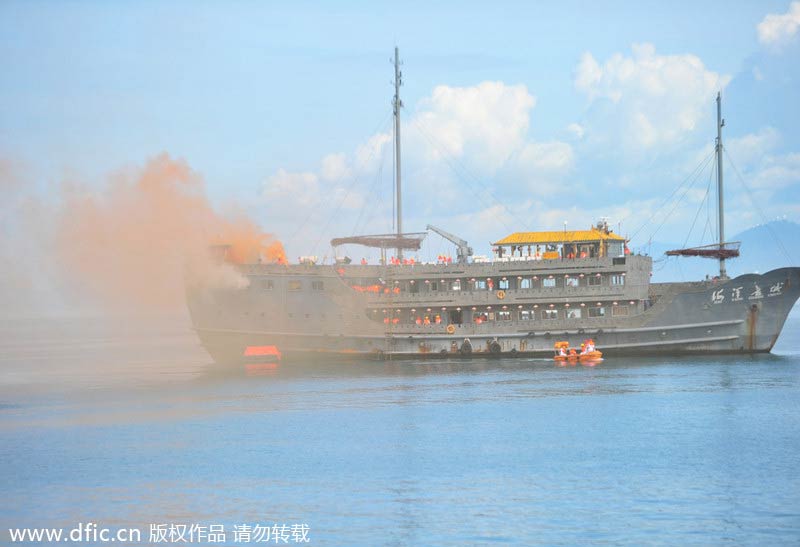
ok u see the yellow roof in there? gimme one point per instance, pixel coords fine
(560, 236)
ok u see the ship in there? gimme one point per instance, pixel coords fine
(537, 289)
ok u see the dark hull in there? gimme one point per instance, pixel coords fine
(739, 316)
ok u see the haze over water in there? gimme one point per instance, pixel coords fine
(127, 423)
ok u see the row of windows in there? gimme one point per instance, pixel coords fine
(506, 315)
(530, 315)
(295, 285)
(549, 282)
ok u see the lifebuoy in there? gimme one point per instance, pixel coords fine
(501, 294)
(451, 329)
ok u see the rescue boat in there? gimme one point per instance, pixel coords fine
(563, 354)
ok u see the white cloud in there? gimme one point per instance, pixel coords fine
(335, 167)
(764, 169)
(368, 155)
(751, 148)
(778, 30)
(487, 122)
(576, 130)
(297, 189)
(646, 99)
(538, 157)
(457, 141)
(778, 172)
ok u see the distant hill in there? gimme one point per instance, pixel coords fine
(760, 252)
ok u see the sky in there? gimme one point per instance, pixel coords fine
(517, 115)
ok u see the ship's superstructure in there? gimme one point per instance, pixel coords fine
(538, 288)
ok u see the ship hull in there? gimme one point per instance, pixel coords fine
(741, 315)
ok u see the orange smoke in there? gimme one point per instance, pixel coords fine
(140, 239)
(245, 244)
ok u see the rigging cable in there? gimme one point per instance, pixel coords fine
(338, 207)
(320, 200)
(760, 212)
(691, 176)
(369, 203)
(465, 174)
(678, 202)
(697, 215)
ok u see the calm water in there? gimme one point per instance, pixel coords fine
(127, 425)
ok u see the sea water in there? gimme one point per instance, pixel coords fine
(130, 426)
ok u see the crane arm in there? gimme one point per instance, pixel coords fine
(464, 250)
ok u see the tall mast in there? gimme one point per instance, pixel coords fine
(397, 104)
(721, 213)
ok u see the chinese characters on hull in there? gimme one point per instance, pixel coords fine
(736, 294)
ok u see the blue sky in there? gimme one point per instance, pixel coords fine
(517, 116)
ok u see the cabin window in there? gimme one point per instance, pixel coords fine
(434, 285)
(551, 314)
(618, 279)
(504, 316)
(526, 283)
(571, 281)
(318, 285)
(549, 282)
(526, 315)
(479, 284)
(597, 312)
(619, 310)
(503, 284)
(595, 280)
(456, 285)
(267, 284)
(295, 285)
(490, 316)
(574, 313)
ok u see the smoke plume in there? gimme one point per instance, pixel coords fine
(134, 244)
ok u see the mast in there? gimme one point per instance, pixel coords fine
(397, 104)
(721, 213)
(721, 250)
